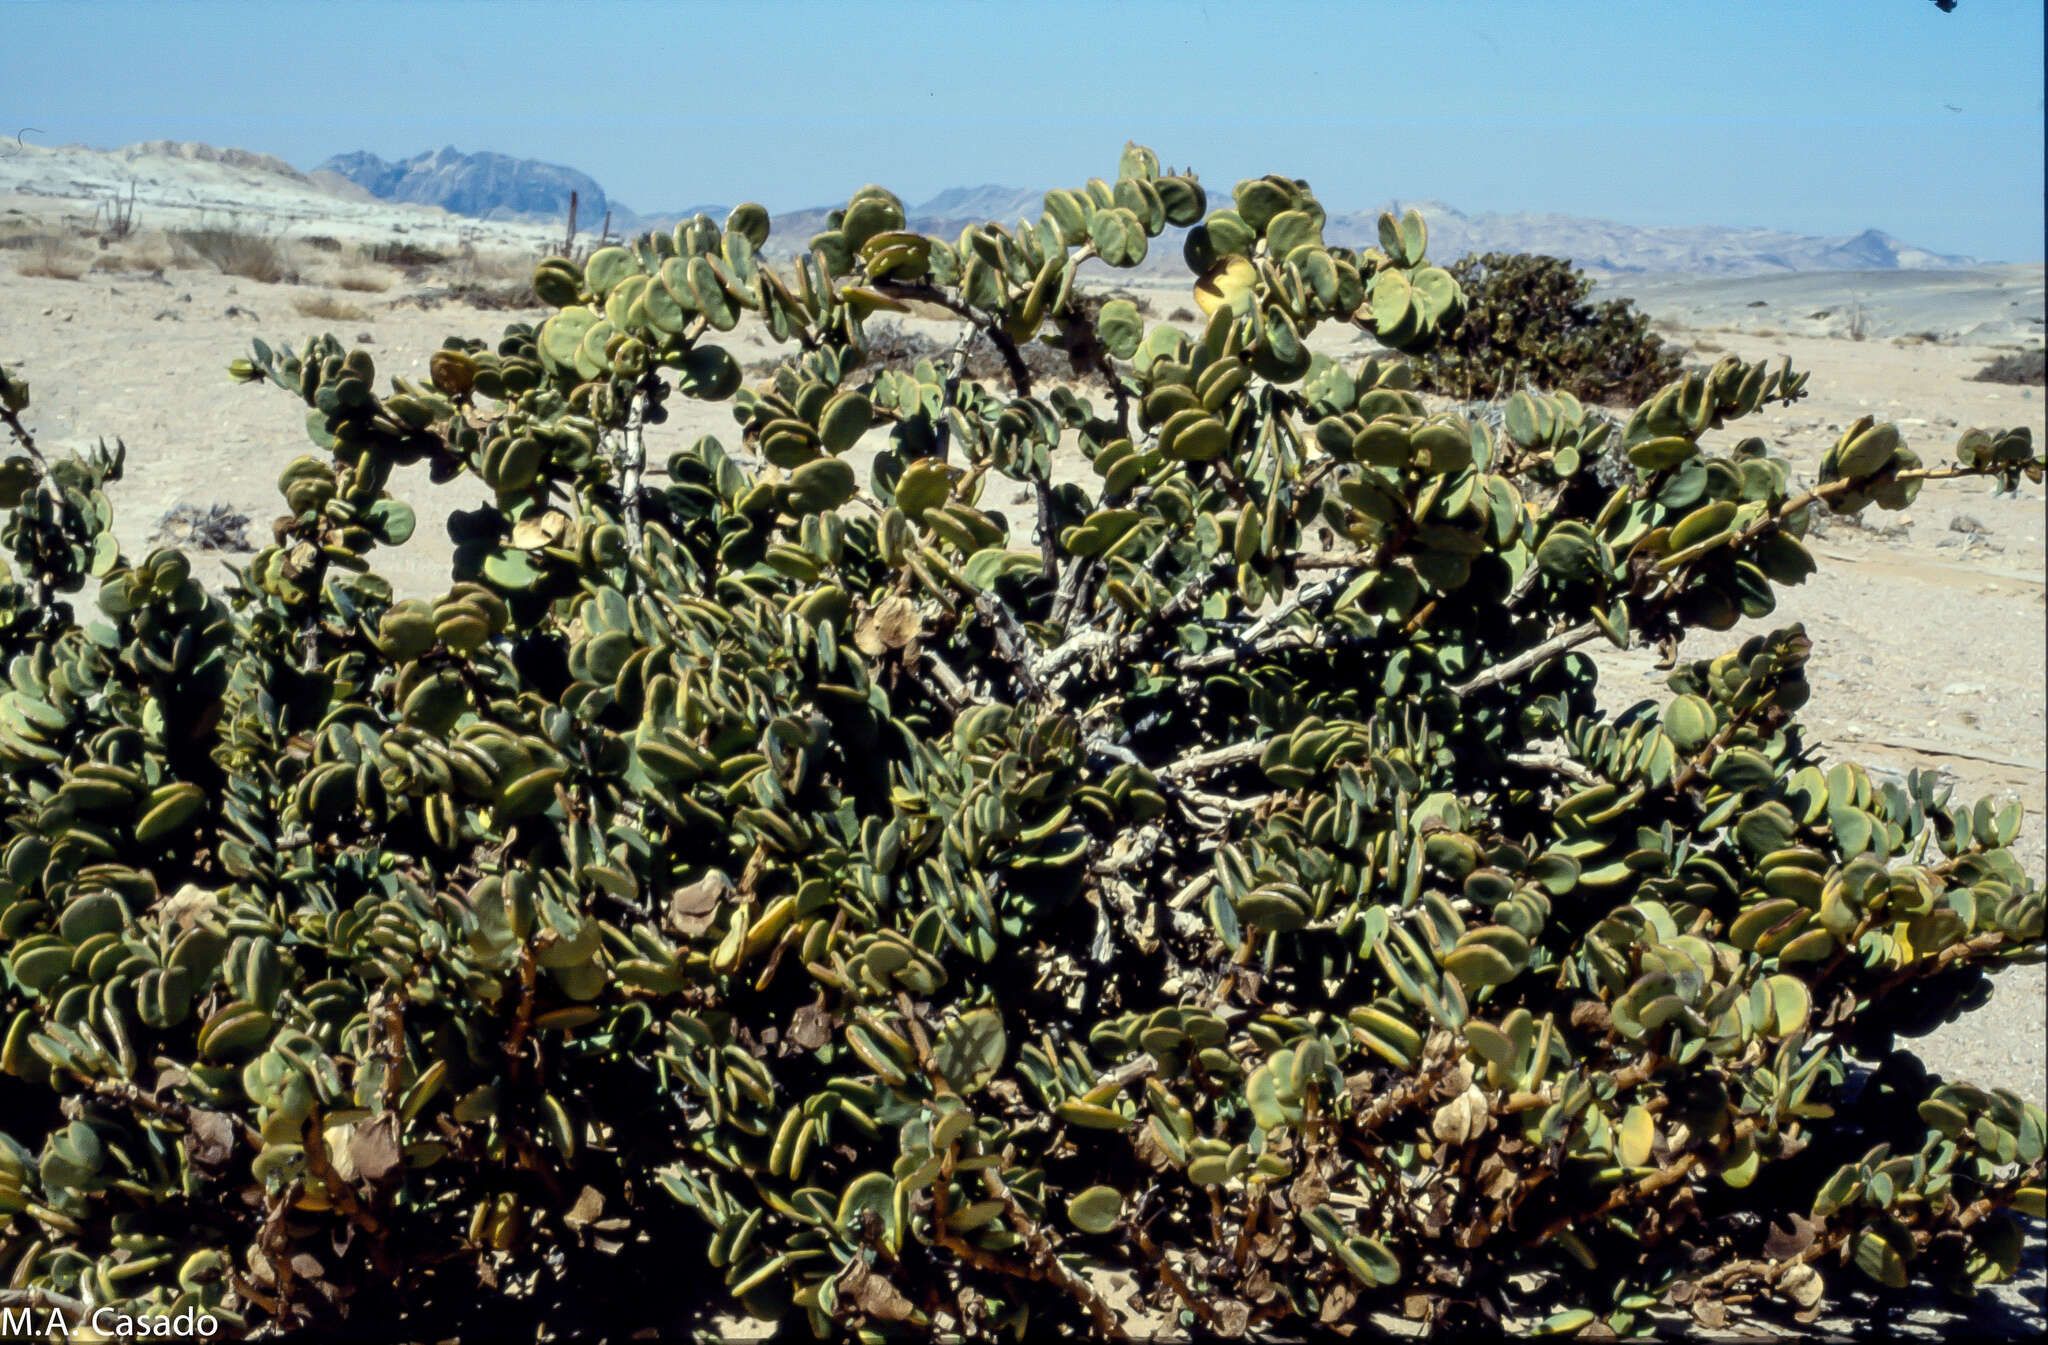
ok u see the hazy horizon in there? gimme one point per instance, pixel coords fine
(1830, 118)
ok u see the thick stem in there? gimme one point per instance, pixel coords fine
(956, 369)
(632, 465)
(47, 1300)
(1556, 762)
(1199, 764)
(1528, 659)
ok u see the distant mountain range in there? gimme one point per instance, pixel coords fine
(498, 187)
(482, 185)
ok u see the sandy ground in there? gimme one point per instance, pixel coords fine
(1929, 644)
(1989, 305)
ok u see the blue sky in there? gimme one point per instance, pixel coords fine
(1822, 116)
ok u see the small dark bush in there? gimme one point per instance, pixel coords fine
(404, 254)
(516, 294)
(234, 252)
(2020, 366)
(1527, 323)
(509, 296)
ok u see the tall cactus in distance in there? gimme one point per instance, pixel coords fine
(1212, 897)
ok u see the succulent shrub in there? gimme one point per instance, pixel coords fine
(1528, 326)
(2018, 366)
(1211, 895)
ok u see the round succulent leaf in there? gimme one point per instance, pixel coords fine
(1090, 1116)
(1291, 229)
(606, 267)
(1120, 327)
(390, 521)
(1868, 452)
(750, 221)
(1708, 521)
(1393, 302)
(844, 419)
(868, 217)
(1269, 909)
(1230, 283)
(1479, 965)
(1097, 1209)
(1571, 553)
(970, 1050)
(1662, 453)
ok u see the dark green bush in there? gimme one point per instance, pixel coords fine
(1528, 325)
(1212, 898)
(2019, 366)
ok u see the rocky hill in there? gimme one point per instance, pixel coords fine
(168, 184)
(523, 202)
(482, 185)
(493, 186)
(1605, 246)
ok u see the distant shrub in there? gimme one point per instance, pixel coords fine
(2019, 366)
(236, 252)
(509, 295)
(329, 307)
(363, 281)
(51, 259)
(1527, 323)
(404, 254)
(147, 253)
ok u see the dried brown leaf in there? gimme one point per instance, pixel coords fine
(693, 909)
(891, 624)
(209, 1141)
(1337, 1301)
(189, 905)
(1455, 1081)
(1463, 1119)
(1803, 1285)
(872, 1294)
(1308, 1190)
(548, 528)
(810, 1027)
(1496, 1179)
(1786, 1243)
(375, 1150)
